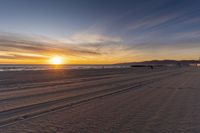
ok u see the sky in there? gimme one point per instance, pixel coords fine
(98, 31)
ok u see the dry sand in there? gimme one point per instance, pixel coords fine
(128, 100)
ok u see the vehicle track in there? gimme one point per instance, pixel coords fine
(10, 101)
(16, 87)
(79, 84)
(11, 116)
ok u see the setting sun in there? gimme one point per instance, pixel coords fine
(56, 60)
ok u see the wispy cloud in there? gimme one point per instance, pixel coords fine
(35, 45)
(91, 38)
(80, 46)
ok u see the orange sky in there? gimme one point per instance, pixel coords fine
(83, 49)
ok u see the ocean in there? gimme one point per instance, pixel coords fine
(8, 67)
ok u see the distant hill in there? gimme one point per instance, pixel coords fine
(162, 62)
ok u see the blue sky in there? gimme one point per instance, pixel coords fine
(124, 30)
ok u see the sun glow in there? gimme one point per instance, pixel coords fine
(56, 60)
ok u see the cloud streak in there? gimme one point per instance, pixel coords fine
(10, 43)
(76, 47)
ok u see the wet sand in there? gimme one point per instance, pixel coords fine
(126, 100)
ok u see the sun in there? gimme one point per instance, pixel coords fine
(56, 60)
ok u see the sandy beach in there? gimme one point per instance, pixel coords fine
(120, 100)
